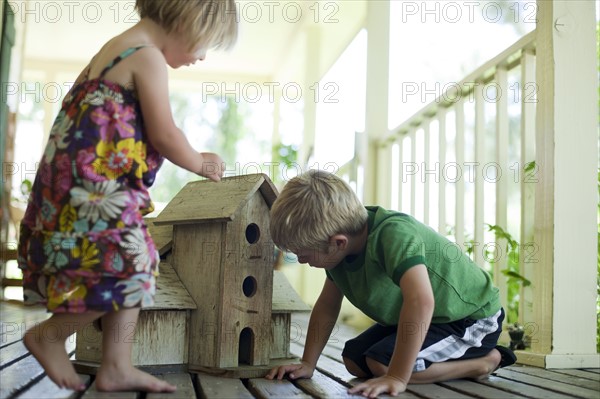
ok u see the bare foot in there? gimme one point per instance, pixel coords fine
(129, 379)
(491, 361)
(53, 357)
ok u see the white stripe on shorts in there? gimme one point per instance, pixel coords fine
(453, 346)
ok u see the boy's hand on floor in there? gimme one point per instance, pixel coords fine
(373, 387)
(302, 370)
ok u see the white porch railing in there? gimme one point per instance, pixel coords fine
(459, 163)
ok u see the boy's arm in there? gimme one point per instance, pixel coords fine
(322, 320)
(415, 317)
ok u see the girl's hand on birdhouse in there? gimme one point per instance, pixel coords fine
(212, 166)
(302, 370)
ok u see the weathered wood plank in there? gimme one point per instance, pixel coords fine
(476, 389)
(561, 387)
(183, 382)
(12, 353)
(597, 371)
(558, 377)
(26, 371)
(49, 390)
(16, 319)
(93, 393)
(220, 387)
(590, 374)
(19, 375)
(321, 385)
(264, 388)
(433, 391)
(520, 388)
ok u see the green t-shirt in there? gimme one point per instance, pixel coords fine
(395, 243)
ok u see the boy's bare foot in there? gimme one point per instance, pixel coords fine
(491, 362)
(129, 379)
(53, 357)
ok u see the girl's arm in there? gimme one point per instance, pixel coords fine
(151, 82)
(322, 321)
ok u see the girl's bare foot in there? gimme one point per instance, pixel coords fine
(129, 379)
(53, 357)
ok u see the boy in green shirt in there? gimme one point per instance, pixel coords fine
(438, 314)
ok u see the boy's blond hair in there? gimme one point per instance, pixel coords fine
(313, 207)
(213, 22)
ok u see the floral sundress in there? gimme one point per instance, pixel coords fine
(83, 243)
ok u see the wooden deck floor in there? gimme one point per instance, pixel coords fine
(22, 377)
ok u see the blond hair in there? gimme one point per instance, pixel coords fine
(313, 207)
(213, 22)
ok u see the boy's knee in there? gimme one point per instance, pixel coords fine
(377, 369)
(353, 368)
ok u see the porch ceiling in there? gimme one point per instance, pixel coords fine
(69, 33)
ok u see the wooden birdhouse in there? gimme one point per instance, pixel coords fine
(223, 254)
(161, 335)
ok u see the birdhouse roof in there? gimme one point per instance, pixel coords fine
(207, 201)
(285, 297)
(170, 292)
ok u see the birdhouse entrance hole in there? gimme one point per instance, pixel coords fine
(252, 233)
(249, 286)
(246, 346)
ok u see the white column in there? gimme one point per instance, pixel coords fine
(566, 195)
(376, 120)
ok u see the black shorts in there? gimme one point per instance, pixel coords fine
(461, 339)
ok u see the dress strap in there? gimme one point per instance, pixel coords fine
(120, 57)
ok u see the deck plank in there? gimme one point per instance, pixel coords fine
(434, 391)
(557, 386)
(321, 385)
(12, 353)
(21, 377)
(93, 393)
(264, 389)
(183, 382)
(559, 377)
(49, 390)
(587, 374)
(221, 387)
(520, 388)
(479, 390)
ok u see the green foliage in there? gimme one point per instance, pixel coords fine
(514, 279)
(230, 129)
(285, 156)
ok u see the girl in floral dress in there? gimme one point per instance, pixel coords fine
(84, 248)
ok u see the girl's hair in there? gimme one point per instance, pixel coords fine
(313, 207)
(213, 22)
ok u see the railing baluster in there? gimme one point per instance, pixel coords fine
(501, 81)
(413, 177)
(425, 177)
(442, 227)
(459, 228)
(527, 182)
(478, 170)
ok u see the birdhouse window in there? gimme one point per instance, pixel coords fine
(249, 286)
(252, 233)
